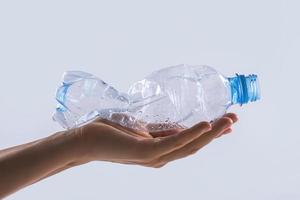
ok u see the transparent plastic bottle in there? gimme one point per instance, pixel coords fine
(181, 95)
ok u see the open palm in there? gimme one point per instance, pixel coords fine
(108, 141)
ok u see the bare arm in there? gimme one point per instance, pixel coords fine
(25, 164)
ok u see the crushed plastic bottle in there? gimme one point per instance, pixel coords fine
(177, 96)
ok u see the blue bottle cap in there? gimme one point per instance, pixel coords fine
(244, 89)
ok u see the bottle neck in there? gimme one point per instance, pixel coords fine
(244, 89)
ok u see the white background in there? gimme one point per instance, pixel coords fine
(121, 42)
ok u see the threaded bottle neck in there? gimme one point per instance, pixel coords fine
(244, 89)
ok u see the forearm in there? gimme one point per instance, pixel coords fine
(25, 164)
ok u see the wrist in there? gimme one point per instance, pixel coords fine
(69, 147)
(77, 146)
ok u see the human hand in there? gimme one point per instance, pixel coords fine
(107, 141)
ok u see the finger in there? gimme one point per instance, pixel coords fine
(169, 144)
(177, 128)
(232, 116)
(227, 131)
(218, 127)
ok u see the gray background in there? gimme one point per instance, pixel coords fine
(122, 41)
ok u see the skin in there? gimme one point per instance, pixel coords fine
(103, 140)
